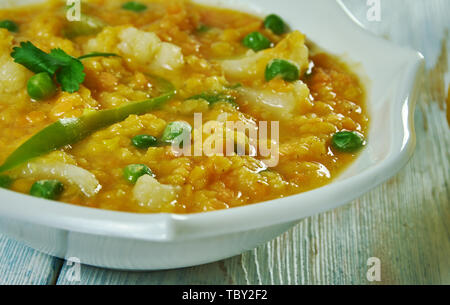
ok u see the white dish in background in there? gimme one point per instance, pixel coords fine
(164, 241)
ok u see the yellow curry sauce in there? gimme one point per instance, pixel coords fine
(203, 53)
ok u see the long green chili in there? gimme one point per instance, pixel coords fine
(70, 131)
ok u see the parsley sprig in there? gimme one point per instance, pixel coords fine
(68, 70)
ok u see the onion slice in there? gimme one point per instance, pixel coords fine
(71, 174)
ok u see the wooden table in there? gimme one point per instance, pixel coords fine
(405, 222)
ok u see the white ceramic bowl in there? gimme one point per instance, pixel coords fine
(164, 241)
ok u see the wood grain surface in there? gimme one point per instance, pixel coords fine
(404, 223)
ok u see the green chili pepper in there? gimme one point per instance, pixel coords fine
(70, 131)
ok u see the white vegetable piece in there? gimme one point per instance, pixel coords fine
(253, 65)
(66, 173)
(147, 49)
(152, 194)
(13, 77)
(277, 105)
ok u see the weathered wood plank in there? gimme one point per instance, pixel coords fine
(20, 265)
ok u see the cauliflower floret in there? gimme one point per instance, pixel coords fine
(13, 77)
(278, 105)
(105, 41)
(141, 45)
(253, 65)
(147, 49)
(151, 194)
(168, 57)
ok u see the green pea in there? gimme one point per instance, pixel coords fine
(144, 141)
(275, 24)
(347, 141)
(283, 68)
(41, 86)
(134, 6)
(257, 41)
(175, 131)
(9, 25)
(5, 181)
(88, 25)
(48, 189)
(133, 172)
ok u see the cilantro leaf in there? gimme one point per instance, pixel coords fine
(71, 77)
(35, 59)
(70, 74)
(68, 70)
